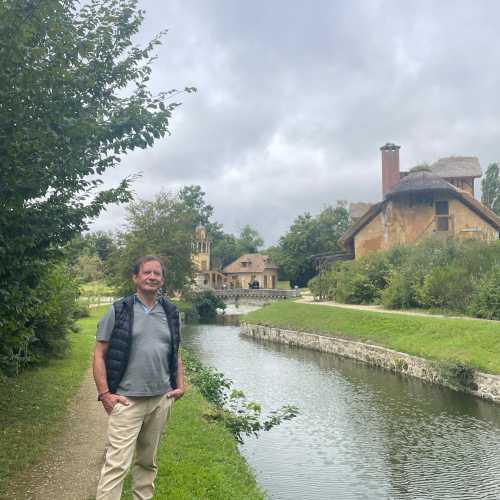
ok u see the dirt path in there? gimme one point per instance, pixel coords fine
(71, 469)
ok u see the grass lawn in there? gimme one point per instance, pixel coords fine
(473, 342)
(35, 402)
(283, 285)
(96, 288)
(199, 460)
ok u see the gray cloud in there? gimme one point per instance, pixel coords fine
(295, 99)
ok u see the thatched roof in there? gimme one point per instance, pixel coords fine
(457, 166)
(250, 263)
(357, 210)
(420, 180)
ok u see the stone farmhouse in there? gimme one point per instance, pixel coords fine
(246, 269)
(437, 201)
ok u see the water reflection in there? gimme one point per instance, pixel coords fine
(362, 432)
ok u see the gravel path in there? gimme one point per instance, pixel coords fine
(71, 469)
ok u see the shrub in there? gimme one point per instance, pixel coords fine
(486, 299)
(323, 286)
(206, 304)
(46, 314)
(354, 287)
(447, 287)
(400, 293)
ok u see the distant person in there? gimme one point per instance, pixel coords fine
(139, 374)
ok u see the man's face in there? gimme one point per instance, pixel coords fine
(149, 278)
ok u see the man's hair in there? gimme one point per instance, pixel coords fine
(147, 258)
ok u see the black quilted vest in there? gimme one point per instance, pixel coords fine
(118, 351)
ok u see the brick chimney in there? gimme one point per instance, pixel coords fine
(390, 167)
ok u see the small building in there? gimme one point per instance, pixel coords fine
(251, 268)
(206, 277)
(427, 201)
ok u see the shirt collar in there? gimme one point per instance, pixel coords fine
(147, 309)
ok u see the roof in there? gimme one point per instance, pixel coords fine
(255, 263)
(353, 229)
(457, 166)
(421, 180)
(482, 210)
(356, 210)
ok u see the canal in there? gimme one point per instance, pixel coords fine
(362, 432)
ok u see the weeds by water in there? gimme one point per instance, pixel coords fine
(230, 406)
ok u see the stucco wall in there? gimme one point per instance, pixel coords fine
(245, 278)
(468, 224)
(482, 385)
(401, 223)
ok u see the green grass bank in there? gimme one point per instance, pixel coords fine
(199, 461)
(475, 343)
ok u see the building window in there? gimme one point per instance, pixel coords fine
(442, 208)
(442, 216)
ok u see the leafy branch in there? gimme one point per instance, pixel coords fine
(230, 406)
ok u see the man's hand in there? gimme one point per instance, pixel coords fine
(176, 394)
(109, 401)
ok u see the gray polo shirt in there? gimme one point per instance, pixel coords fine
(147, 372)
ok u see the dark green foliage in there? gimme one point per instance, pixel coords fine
(486, 299)
(227, 248)
(35, 324)
(241, 417)
(206, 304)
(73, 98)
(448, 275)
(308, 236)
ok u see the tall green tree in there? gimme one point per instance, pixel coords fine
(249, 240)
(490, 186)
(73, 98)
(309, 235)
(225, 250)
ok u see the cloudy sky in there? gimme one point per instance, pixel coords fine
(295, 98)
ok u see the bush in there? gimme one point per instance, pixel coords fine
(447, 287)
(206, 304)
(354, 287)
(486, 299)
(46, 313)
(400, 293)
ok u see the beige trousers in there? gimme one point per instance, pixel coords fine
(138, 427)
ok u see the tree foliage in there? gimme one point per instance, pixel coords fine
(227, 248)
(309, 235)
(73, 98)
(490, 186)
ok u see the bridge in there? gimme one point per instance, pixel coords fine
(259, 295)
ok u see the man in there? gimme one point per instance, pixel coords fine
(139, 373)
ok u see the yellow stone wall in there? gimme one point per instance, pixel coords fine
(400, 223)
(241, 280)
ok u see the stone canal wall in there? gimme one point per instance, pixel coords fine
(451, 375)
